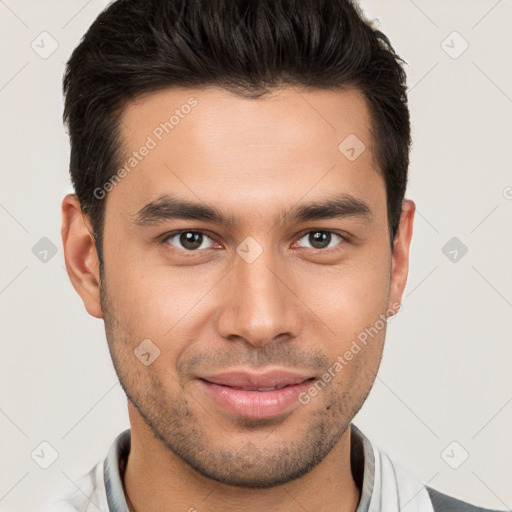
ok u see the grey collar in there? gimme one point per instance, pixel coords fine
(362, 463)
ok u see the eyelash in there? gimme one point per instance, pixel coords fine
(168, 236)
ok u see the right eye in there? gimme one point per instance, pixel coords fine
(190, 241)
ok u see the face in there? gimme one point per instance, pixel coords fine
(250, 253)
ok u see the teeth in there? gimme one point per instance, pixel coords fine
(257, 389)
(262, 389)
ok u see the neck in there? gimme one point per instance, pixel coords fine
(157, 479)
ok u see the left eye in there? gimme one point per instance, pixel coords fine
(321, 239)
(188, 240)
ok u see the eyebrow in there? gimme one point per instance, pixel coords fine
(168, 207)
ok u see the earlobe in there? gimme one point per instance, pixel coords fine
(400, 259)
(80, 254)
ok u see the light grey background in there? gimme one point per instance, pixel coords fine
(445, 375)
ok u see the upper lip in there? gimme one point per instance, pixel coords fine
(276, 378)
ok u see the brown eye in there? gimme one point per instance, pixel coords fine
(188, 240)
(322, 239)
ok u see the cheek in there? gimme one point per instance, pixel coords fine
(169, 306)
(353, 302)
(143, 291)
(172, 297)
(350, 297)
(355, 359)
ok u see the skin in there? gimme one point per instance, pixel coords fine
(296, 306)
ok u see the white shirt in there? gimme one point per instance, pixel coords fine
(385, 486)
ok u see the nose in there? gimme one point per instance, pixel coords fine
(259, 302)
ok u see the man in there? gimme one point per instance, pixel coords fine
(240, 226)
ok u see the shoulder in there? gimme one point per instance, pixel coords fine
(444, 503)
(85, 494)
(89, 492)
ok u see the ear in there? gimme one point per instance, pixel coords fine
(400, 259)
(80, 255)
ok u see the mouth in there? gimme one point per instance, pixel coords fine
(250, 395)
(272, 388)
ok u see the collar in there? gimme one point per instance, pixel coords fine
(362, 462)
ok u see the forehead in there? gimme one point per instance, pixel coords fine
(213, 146)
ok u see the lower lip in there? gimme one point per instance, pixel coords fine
(255, 404)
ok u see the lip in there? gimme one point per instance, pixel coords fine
(256, 395)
